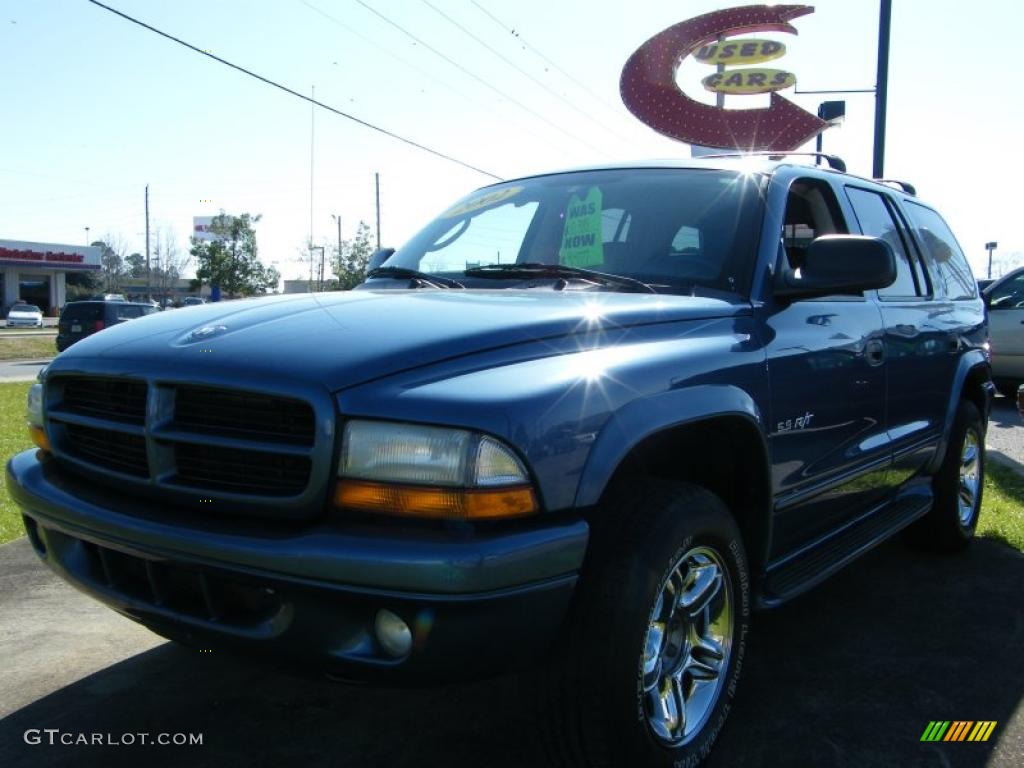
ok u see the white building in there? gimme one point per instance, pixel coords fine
(36, 272)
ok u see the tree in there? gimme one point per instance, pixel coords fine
(231, 261)
(169, 263)
(112, 263)
(81, 285)
(350, 262)
(136, 265)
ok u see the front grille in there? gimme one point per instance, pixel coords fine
(109, 449)
(196, 594)
(244, 414)
(240, 471)
(196, 442)
(121, 400)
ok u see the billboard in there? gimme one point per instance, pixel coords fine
(201, 227)
(649, 89)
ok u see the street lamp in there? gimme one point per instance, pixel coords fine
(87, 236)
(990, 247)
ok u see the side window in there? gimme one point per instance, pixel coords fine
(942, 255)
(1008, 295)
(876, 219)
(811, 211)
(128, 313)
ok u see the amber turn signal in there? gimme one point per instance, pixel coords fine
(436, 503)
(39, 437)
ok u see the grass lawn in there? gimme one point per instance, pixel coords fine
(13, 439)
(1002, 513)
(1002, 506)
(27, 347)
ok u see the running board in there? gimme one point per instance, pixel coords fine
(800, 571)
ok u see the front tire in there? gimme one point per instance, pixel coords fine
(651, 660)
(957, 486)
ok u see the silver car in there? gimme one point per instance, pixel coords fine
(1005, 300)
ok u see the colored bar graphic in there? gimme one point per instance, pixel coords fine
(958, 730)
(935, 730)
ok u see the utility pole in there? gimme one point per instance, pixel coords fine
(376, 178)
(337, 218)
(312, 145)
(87, 236)
(881, 88)
(148, 293)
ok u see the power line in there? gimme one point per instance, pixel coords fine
(520, 70)
(288, 90)
(512, 31)
(403, 30)
(418, 69)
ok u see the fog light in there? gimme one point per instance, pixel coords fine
(393, 634)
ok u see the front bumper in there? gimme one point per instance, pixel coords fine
(477, 600)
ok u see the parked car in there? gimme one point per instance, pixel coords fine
(84, 318)
(1005, 301)
(22, 315)
(192, 301)
(684, 391)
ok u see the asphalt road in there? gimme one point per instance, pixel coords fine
(849, 675)
(1005, 437)
(20, 370)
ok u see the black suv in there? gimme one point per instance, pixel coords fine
(84, 318)
(589, 418)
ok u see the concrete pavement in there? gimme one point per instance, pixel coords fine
(20, 370)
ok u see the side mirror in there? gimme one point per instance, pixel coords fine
(840, 264)
(379, 257)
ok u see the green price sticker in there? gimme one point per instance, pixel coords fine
(581, 238)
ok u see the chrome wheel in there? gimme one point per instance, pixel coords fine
(687, 647)
(970, 463)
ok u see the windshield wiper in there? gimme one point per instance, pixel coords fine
(414, 274)
(536, 269)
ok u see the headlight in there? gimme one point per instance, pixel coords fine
(34, 415)
(407, 469)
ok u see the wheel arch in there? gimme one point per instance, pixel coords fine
(973, 382)
(716, 439)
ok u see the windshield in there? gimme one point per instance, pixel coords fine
(24, 308)
(674, 229)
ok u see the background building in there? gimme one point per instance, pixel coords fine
(36, 272)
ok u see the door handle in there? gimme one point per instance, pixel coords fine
(875, 352)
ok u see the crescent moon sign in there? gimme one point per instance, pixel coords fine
(649, 90)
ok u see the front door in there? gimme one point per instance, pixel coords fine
(826, 364)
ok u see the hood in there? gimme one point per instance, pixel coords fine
(347, 338)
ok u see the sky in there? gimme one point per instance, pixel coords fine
(95, 108)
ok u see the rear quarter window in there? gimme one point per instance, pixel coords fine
(74, 313)
(951, 274)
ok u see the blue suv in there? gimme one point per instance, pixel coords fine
(587, 420)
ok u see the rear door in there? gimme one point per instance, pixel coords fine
(920, 348)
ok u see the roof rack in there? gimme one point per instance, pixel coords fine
(906, 186)
(835, 162)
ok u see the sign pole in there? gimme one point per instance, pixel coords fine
(881, 88)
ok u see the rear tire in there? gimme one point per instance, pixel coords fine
(958, 486)
(649, 664)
